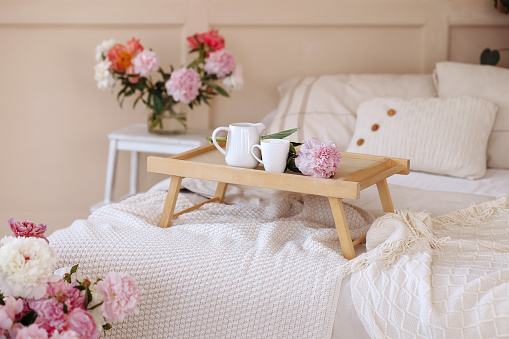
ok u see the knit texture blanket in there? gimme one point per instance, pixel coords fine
(446, 277)
(222, 271)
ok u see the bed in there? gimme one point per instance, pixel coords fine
(268, 264)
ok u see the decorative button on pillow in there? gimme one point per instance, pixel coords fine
(441, 136)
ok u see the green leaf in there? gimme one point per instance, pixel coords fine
(107, 326)
(79, 287)
(29, 318)
(217, 139)
(74, 269)
(489, 57)
(158, 104)
(280, 135)
(2, 302)
(66, 310)
(218, 88)
(96, 306)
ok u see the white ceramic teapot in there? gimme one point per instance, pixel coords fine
(241, 137)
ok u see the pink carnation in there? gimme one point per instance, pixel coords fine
(221, 63)
(145, 63)
(31, 332)
(120, 295)
(317, 159)
(184, 85)
(27, 229)
(8, 312)
(83, 323)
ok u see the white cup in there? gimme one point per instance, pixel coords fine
(274, 154)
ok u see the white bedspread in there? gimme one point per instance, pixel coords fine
(458, 289)
(223, 271)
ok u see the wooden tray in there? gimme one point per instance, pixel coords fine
(356, 172)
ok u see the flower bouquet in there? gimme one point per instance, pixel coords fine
(36, 302)
(132, 65)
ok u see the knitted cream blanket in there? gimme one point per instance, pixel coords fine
(446, 277)
(223, 271)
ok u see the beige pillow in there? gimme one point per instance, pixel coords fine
(325, 106)
(441, 136)
(487, 82)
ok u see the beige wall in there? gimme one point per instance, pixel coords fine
(54, 122)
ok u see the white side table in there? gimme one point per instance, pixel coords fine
(135, 138)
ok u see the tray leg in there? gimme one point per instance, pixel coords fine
(221, 191)
(345, 240)
(385, 196)
(171, 201)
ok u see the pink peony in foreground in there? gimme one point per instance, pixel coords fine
(184, 85)
(221, 63)
(120, 296)
(27, 229)
(318, 159)
(9, 311)
(145, 63)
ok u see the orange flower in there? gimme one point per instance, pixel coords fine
(124, 60)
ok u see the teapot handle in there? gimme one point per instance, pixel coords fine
(219, 148)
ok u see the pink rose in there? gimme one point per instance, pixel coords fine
(50, 314)
(8, 312)
(27, 229)
(317, 159)
(134, 47)
(184, 85)
(120, 295)
(220, 63)
(145, 63)
(82, 323)
(31, 332)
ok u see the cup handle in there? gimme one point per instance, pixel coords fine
(252, 152)
(219, 148)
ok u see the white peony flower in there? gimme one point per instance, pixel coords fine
(103, 76)
(234, 81)
(97, 313)
(101, 51)
(26, 265)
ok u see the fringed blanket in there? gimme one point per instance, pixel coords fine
(223, 271)
(446, 277)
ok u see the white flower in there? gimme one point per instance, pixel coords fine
(26, 265)
(66, 270)
(97, 313)
(103, 76)
(234, 81)
(101, 51)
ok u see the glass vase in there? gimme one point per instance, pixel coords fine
(169, 122)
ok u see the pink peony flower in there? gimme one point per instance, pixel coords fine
(210, 38)
(220, 63)
(66, 293)
(145, 63)
(120, 295)
(27, 229)
(134, 47)
(50, 314)
(9, 311)
(31, 332)
(82, 323)
(184, 85)
(69, 334)
(317, 159)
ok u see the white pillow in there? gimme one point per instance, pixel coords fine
(441, 136)
(487, 82)
(325, 106)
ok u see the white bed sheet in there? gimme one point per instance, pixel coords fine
(494, 183)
